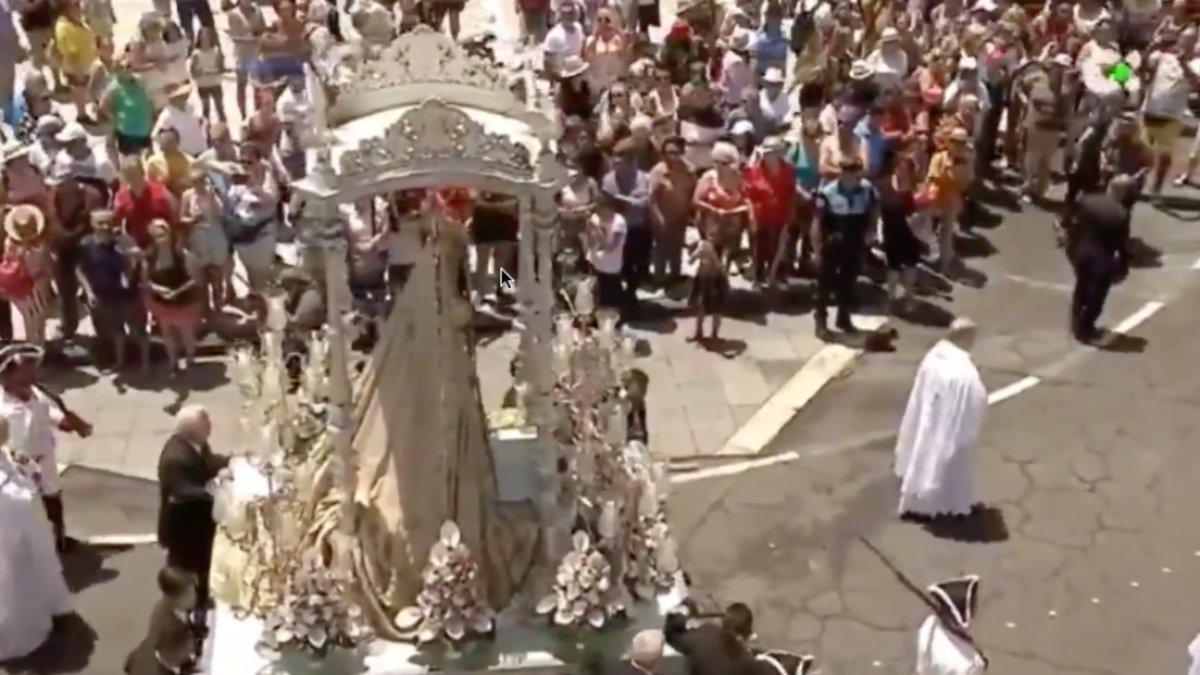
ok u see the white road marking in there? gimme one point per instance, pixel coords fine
(1196, 264)
(120, 539)
(734, 468)
(1003, 394)
(1134, 320)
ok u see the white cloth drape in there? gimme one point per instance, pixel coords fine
(940, 652)
(32, 588)
(940, 426)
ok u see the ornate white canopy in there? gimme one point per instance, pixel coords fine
(430, 144)
(423, 64)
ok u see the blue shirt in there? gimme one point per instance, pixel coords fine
(875, 143)
(770, 46)
(631, 184)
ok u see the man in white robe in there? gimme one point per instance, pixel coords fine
(944, 647)
(940, 426)
(1194, 653)
(33, 593)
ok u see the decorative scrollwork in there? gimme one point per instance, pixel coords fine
(421, 56)
(436, 131)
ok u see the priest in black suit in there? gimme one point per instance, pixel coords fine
(185, 519)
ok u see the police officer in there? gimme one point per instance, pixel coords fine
(845, 209)
(1098, 249)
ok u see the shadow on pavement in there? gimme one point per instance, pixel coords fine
(65, 377)
(1120, 343)
(975, 245)
(84, 565)
(925, 314)
(67, 650)
(1143, 255)
(984, 525)
(726, 347)
(1186, 209)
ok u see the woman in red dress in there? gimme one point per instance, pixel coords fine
(721, 198)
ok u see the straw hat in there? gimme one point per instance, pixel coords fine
(12, 150)
(149, 19)
(861, 70)
(49, 124)
(72, 132)
(773, 144)
(773, 76)
(889, 34)
(24, 223)
(740, 40)
(178, 89)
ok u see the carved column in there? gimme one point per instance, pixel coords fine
(324, 247)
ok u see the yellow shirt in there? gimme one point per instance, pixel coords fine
(174, 170)
(76, 46)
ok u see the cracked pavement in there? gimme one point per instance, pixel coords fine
(1087, 547)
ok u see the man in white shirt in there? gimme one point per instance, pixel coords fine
(178, 115)
(773, 99)
(889, 61)
(77, 158)
(565, 39)
(45, 145)
(736, 73)
(1173, 73)
(606, 232)
(32, 418)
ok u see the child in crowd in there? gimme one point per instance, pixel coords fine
(171, 645)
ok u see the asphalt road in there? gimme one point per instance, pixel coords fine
(1087, 547)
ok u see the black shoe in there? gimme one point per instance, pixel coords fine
(845, 325)
(822, 332)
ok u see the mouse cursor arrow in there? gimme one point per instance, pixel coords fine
(507, 283)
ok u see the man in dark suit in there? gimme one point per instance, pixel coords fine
(712, 649)
(185, 520)
(1098, 247)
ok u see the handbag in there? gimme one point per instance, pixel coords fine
(926, 197)
(16, 283)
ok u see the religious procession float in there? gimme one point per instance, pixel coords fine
(381, 524)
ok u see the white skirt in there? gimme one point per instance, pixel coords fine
(32, 588)
(209, 244)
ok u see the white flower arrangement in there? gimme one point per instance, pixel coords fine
(449, 606)
(584, 593)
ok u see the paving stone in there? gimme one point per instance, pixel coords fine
(826, 604)
(711, 425)
(671, 435)
(1067, 516)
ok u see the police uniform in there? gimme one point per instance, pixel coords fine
(845, 214)
(1097, 249)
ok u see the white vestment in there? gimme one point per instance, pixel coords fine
(939, 429)
(32, 588)
(940, 652)
(1194, 653)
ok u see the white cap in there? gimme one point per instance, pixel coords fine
(72, 132)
